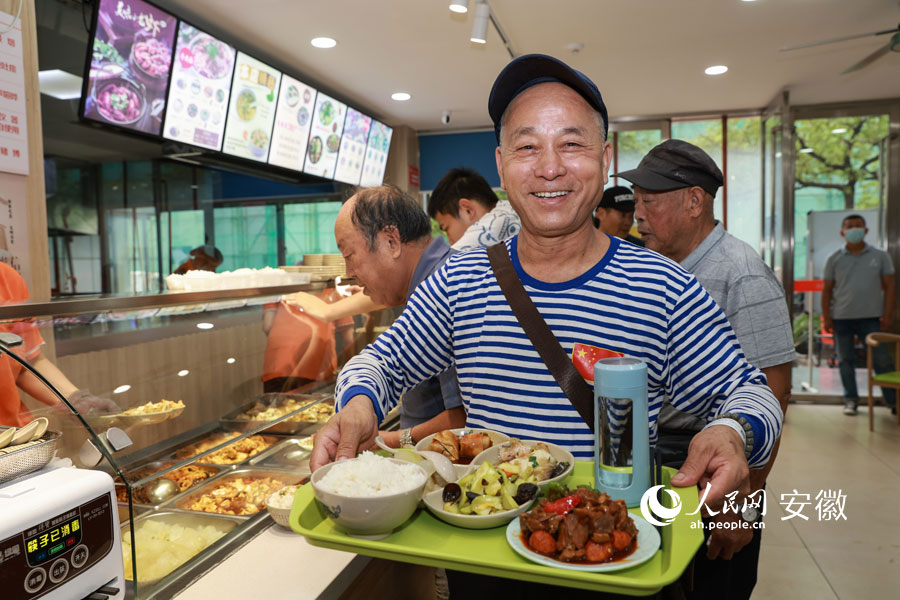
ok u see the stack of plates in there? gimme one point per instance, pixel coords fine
(333, 260)
(319, 273)
(313, 260)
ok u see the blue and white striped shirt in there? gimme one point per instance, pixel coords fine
(632, 301)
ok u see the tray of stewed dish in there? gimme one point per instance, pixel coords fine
(516, 511)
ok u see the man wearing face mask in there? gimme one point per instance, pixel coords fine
(858, 299)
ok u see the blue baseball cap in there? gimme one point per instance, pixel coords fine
(531, 69)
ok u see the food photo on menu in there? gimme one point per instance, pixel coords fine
(376, 154)
(293, 119)
(251, 111)
(130, 61)
(353, 147)
(325, 136)
(200, 87)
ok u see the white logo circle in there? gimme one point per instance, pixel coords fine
(651, 507)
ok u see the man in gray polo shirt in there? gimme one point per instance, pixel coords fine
(674, 191)
(858, 299)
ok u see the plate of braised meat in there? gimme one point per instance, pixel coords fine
(582, 529)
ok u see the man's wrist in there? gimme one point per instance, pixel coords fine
(734, 423)
(406, 438)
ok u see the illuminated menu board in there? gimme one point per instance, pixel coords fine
(376, 154)
(353, 147)
(130, 61)
(293, 119)
(198, 94)
(251, 110)
(325, 136)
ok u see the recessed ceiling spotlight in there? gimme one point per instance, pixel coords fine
(122, 389)
(716, 70)
(323, 42)
(183, 372)
(205, 325)
(400, 96)
(230, 360)
(459, 6)
(839, 130)
(805, 150)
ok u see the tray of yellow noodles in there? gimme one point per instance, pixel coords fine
(311, 412)
(149, 413)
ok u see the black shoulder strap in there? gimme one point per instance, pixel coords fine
(560, 365)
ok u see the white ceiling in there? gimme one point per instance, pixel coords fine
(647, 56)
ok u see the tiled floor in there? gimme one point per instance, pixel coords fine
(853, 559)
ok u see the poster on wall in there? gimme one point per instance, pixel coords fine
(376, 154)
(130, 62)
(251, 110)
(353, 147)
(13, 126)
(325, 136)
(293, 118)
(200, 87)
(14, 224)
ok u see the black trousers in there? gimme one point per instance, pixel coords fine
(717, 579)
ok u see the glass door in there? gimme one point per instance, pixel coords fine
(631, 141)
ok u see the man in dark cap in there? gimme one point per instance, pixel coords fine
(615, 214)
(553, 161)
(674, 190)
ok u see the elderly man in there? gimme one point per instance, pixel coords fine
(553, 161)
(386, 240)
(674, 191)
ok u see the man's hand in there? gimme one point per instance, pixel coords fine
(346, 434)
(828, 324)
(88, 404)
(724, 543)
(715, 456)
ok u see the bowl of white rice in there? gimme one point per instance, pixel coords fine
(369, 495)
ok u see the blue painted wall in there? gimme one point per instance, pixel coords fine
(440, 153)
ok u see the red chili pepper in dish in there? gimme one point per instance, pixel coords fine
(563, 506)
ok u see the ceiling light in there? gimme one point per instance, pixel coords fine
(400, 96)
(839, 130)
(805, 150)
(716, 70)
(459, 6)
(121, 389)
(183, 372)
(59, 84)
(230, 360)
(323, 42)
(480, 25)
(205, 325)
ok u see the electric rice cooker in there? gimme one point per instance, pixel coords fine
(59, 536)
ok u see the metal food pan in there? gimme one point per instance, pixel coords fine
(287, 477)
(150, 468)
(208, 459)
(288, 454)
(231, 421)
(171, 518)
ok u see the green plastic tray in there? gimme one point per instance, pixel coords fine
(426, 540)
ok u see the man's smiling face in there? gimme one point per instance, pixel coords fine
(552, 160)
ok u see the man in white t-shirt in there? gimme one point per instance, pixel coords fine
(468, 211)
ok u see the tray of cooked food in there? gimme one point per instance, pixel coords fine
(184, 478)
(232, 454)
(317, 408)
(240, 493)
(639, 565)
(166, 540)
(149, 413)
(290, 454)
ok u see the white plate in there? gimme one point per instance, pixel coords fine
(496, 437)
(557, 452)
(648, 543)
(435, 504)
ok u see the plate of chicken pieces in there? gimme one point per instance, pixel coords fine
(463, 444)
(582, 529)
